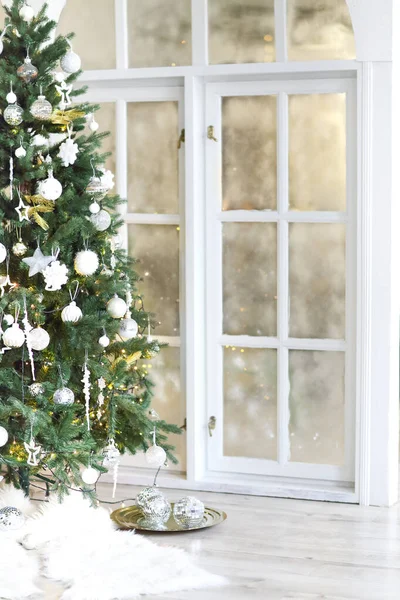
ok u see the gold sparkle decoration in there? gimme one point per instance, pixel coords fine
(65, 117)
(39, 205)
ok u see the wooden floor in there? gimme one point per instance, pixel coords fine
(273, 549)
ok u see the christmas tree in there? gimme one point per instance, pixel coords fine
(73, 395)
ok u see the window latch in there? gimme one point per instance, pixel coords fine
(210, 133)
(211, 425)
(181, 139)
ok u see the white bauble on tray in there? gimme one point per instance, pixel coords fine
(90, 476)
(39, 338)
(86, 262)
(71, 313)
(14, 337)
(11, 518)
(101, 220)
(3, 436)
(116, 307)
(64, 396)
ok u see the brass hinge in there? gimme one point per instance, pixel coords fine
(210, 133)
(181, 139)
(184, 426)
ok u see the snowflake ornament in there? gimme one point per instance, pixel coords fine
(68, 152)
(55, 276)
(107, 179)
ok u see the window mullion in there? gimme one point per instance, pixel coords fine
(199, 32)
(280, 30)
(121, 34)
(122, 163)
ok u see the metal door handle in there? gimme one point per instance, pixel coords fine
(211, 425)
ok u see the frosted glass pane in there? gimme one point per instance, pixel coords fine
(157, 248)
(249, 278)
(317, 152)
(250, 401)
(317, 407)
(241, 31)
(249, 152)
(164, 371)
(106, 119)
(320, 30)
(317, 280)
(153, 185)
(159, 33)
(93, 22)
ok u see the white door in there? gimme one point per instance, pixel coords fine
(281, 264)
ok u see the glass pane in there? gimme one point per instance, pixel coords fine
(159, 33)
(157, 248)
(106, 119)
(249, 278)
(317, 152)
(165, 374)
(317, 280)
(317, 407)
(2, 17)
(249, 152)
(250, 402)
(93, 22)
(241, 31)
(153, 180)
(320, 30)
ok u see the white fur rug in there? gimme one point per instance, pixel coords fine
(77, 545)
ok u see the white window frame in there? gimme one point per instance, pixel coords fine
(377, 240)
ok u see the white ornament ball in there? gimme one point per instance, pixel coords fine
(1, 52)
(50, 189)
(14, 337)
(26, 13)
(128, 329)
(101, 220)
(93, 125)
(11, 98)
(3, 253)
(104, 341)
(70, 62)
(41, 109)
(94, 208)
(39, 339)
(155, 456)
(58, 77)
(11, 518)
(20, 152)
(64, 396)
(9, 319)
(189, 512)
(19, 248)
(90, 476)
(3, 436)
(116, 307)
(86, 262)
(71, 313)
(36, 389)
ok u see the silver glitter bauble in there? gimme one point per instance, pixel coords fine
(154, 505)
(41, 109)
(11, 518)
(86, 262)
(101, 220)
(96, 188)
(116, 307)
(155, 456)
(71, 313)
(39, 339)
(128, 328)
(36, 389)
(14, 337)
(3, 436)
(64, 396)
(189, 512)
(70, 62)
(13, 114)
(27, 72)
(19, 249)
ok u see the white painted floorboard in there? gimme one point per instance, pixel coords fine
(275, 549)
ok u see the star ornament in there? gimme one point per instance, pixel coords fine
(5, 282)
(38, 262)
(22, 210)
(33, 453)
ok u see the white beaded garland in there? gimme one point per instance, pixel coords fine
(71, 313)
(86, 262)
(14, 337)
(3, 436)
(90, 476)
(39, 338)
(116, 307)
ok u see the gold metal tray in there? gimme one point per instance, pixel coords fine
(131, 517)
